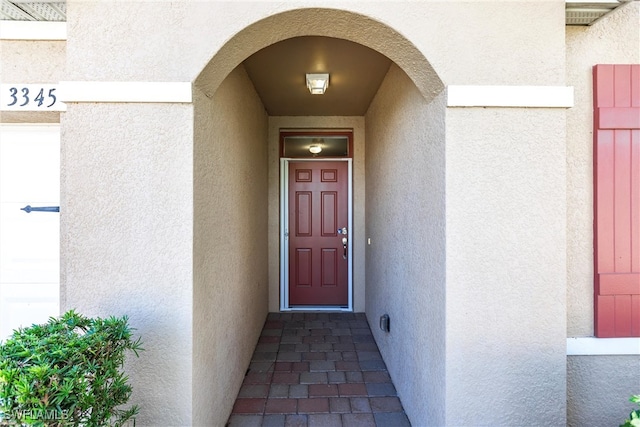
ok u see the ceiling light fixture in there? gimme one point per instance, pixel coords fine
(315, 149)
(317, 83)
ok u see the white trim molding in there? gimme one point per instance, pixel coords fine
(510, 96)
(591, 346)
(126, 92)
(33, 30)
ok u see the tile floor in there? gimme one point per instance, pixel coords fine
(317, 369)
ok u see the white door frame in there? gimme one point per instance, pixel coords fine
(284, 237)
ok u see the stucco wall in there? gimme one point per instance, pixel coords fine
(358, 197)
(230, 243)
(23, 61)
(506, 266)
(126, 219)
(406, 258)
(598, 387)
(164, 40)
(613, 40)
(466, 43)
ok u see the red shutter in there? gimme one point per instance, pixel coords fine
(617, 200)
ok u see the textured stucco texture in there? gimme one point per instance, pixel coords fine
(615, 39)
(479, 219)
(126, 238)
(406, 258)
(599, 388)
(230, 242)
(30, 61)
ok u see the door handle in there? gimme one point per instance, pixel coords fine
(29, 209)
(344, 246)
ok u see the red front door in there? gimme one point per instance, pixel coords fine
(318, 223)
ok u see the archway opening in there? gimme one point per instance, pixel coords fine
(398, 177)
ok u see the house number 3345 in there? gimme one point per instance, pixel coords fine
(30, 97)
(23, 97)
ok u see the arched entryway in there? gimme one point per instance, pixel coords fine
(398, 202)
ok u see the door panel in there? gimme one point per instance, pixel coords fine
(318, 208)
(29, 242)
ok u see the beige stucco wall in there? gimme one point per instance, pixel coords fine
(506, 265)
(316, 123)
(141, 49)
(230, 242)
(613, 40)
(31, 61)
(405, 217)
(126, 220)
(598, 387)
(501, 303)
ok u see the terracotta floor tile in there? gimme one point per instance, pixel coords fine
(286, 378)
(352, 389)
(342, 365)
(249, 406)
(316, 405)
(281, 406)
(283, 366)
(300, 367)
(258, 378)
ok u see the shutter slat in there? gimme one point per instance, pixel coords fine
(622, 201)
(635, 200)
(622, 85)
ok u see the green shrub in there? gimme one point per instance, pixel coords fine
(67, 372)
(634, 416)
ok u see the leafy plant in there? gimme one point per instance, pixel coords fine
(634, 416)
(67, 372)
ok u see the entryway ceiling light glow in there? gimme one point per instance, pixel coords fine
(317, 83)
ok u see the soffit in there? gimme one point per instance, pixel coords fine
(25, 10)
(587, 12)
(278, 74)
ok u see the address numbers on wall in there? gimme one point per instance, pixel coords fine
(30, 97)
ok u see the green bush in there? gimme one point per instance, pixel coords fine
(67, 372)
(634, 416)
